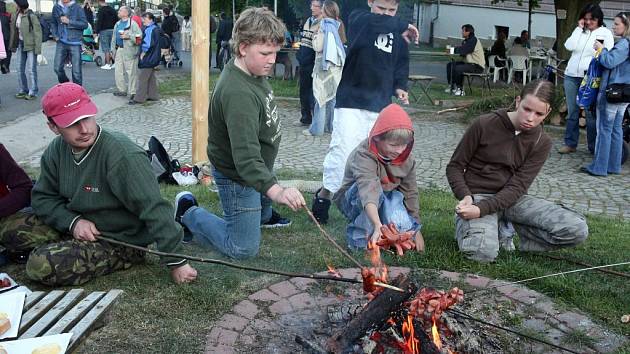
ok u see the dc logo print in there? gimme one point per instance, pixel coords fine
(385, 42)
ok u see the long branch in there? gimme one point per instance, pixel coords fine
(229, 264)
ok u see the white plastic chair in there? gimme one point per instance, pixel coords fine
(518, 63)
(496, 70)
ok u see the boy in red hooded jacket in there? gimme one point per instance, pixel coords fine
(379, 185)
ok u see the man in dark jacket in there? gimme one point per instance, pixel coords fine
(170, 26)
(105, 21)
(67, 27)
(5, 20)
(147, 88)
(224, 33)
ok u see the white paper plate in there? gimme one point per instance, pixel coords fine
(12, 304)
(26, 346)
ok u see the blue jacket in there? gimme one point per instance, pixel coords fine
(377, 61)
(71, 33)
(616, 64)
(150, 47)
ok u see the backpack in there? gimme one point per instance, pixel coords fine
(42, 23)
(161, 163)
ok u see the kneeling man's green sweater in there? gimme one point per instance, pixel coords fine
(113, 186)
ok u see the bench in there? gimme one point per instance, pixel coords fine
(58, 311)
(424, 82)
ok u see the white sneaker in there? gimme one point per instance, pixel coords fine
(306, 132)
(105, 67)
(459, 92)
(448, 90)
(111, 66)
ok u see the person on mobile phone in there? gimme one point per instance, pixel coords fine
(590, 27)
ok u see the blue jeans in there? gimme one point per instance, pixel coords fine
(609, 145)
(323, 118)
(390, 210)
(63, 52)
(105, 40)
(572, 132)
(237, 234)
(27, 75)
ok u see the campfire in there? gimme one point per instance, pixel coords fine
(398, 317)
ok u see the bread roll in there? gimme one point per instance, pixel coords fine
(5, 323)
(52, 348)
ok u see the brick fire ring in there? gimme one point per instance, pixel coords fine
(258, 323)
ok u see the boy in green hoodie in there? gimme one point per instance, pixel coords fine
(379, 185)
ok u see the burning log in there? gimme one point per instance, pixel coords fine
(374, 315)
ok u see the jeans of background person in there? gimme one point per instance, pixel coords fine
(390, 210)
(237, 234)
(27, 74)
(62, 52)
(105, 40)
(540, 224)
(455, 72)
(572, 132)
(306, 93)
(609, 143)
(323, 118)
(146, 86)
(176, 43)
(127, 67)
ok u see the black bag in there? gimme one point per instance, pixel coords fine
(618, 93)
(161, 163)
(164, 40)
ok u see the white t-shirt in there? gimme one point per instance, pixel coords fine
(580, 44)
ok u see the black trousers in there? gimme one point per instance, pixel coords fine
(455, 72)
(306, 93)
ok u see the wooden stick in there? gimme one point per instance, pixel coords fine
(383, 285)
(603, 270)
(321, 229)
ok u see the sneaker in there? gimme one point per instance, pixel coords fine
(566, 150)
(306, 132)
(183, 201)
(120, 94)
(112, 66)
(30, 97)
(320, 208)
(21, 95)
(507, 244)
(448, 90)
(306, 121)
(276, 221)
(459, 92)
(106, 67)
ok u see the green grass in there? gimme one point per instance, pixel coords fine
(155, 315)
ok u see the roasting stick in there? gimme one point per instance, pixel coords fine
(238, 266)
(344, 252)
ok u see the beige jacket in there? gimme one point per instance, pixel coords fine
(477, 56)
(130, 48)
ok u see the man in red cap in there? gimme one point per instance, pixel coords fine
(93, 183)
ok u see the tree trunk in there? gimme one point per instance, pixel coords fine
(564, 27)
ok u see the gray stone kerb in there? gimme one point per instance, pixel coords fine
(435, 140)
(238, 327)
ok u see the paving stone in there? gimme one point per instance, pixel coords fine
(223, 336)
(303, 283)
(396, 271)
(301, 301)
(246, 339)
(219, 349)
(524, 295)
(281, 307)
(546, 306)
(246, 309)
(574, 320)
(451, 275)
(284, 288)
(264, 295)
(233, 322)
(477, 281)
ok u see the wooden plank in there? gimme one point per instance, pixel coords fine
(83, 328)
(71, 298)
(75, 314)
(39, 309)
(32, 299)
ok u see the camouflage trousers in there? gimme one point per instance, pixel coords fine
(60, 260)
(540, 224)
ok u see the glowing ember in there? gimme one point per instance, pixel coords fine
(412, 344)
(436, 336)
(332, 271)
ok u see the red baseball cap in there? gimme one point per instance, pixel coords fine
(67, 104)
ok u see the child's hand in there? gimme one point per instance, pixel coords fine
(376, 235)
(403, 96)
(411, 34)
(419, 241)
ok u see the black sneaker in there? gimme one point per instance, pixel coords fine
(276, 221)
(184, 201)
(320, 208)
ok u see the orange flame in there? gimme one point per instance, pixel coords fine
(374, 256)
(332, 271)
(411, 342)
(436, 336)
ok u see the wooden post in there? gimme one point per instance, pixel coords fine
(200, 78)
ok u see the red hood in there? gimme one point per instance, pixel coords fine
(391, 117)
